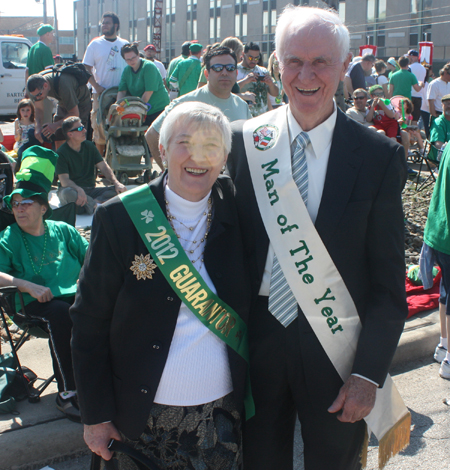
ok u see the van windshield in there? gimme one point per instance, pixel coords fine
(14, 54)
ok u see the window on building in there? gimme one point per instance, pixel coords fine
(66, 40)
(421, 19)
(240, 22)
(342, 11)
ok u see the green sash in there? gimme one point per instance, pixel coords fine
(167, 252)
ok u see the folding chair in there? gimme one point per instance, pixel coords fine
(28, 325)
(431, 158)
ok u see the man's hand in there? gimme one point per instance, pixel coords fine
(268, 79)
(250, 78)
(120, 188)
(97, 438)
(40, 293)
(356, 399)
(248, 96)
(82, 198)
(49, 128)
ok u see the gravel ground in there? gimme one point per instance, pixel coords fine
(415, 207)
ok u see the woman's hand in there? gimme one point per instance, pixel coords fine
(40, 293)
(97, 438)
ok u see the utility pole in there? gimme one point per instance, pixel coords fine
(55, 25)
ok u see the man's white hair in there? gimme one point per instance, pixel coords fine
(295, 17)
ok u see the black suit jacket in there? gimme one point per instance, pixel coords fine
(360, 221)
(123, 327)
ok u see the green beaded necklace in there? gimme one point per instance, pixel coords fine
(37, 278)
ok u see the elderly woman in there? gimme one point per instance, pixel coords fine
(142, 78)
(159, 338)
(43, 259)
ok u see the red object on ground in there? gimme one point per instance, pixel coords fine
(419, 299)
(9, 141)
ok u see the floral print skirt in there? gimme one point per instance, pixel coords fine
(202, 437)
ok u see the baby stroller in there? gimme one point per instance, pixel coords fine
(6, 177)
(124, 130)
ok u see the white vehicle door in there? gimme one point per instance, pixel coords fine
(13, 62)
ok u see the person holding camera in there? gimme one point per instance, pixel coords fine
(256, 79)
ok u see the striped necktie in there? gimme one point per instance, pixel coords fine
(282, 303)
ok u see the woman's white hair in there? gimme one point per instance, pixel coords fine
(295, 17)
(196, 112)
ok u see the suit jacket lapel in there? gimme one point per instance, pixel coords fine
(342, 171)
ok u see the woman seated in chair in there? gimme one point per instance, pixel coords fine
(43, 258)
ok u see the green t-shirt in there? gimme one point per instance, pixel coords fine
(186, 75)
(174, 63)
(440, 130)
(64, 256)
(39, 57)
(402, 81)
(437, 228)
(147, 78)
(80, 166)
(233, 107)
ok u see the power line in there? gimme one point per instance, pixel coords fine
(402, 14)
(401, 27)
(424, 23)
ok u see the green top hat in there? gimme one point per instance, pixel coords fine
(36, 174)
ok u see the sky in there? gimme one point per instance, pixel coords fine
(64, 10)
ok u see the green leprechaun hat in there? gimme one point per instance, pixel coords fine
(35, 177)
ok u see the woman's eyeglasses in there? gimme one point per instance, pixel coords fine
(220, 67)
(24, 203)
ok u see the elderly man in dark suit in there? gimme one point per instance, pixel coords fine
(354, 179)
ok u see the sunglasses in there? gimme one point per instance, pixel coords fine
(253, 59)
(38, 95)
(359, 98)
(25, 203)
(378, 95)
(220, 67)
(77, 129)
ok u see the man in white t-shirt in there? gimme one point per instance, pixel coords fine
(419, 71)
(103, 59)
(150, 54)
(436, 90)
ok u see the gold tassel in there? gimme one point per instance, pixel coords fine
(364, 450)
(395, 440)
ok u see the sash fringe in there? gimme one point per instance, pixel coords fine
(365, 448)
(395, 440)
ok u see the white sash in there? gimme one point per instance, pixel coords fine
(309, 270)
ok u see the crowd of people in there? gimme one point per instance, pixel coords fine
(400, 98)
(260, 278)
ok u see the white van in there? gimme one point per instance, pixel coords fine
(13, 62)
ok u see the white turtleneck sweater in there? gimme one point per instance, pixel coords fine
(197, 369)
